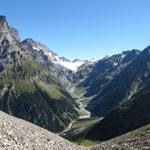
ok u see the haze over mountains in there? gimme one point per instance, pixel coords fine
(53, 92)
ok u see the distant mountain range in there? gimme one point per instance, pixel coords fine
(53, 57)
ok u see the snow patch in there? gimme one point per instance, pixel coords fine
(123, 56)
(115, 64)
(35, 48)
(70, 65)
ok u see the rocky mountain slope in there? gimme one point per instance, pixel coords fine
(128, 82)
(124, 102)
(101, 78)
(136, 140)
(130, 115)
(106, 69)
(53, 57)
(121, 85)
(16, 134)
(43, 55)
(32, 86)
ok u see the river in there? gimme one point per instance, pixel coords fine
(82, 101)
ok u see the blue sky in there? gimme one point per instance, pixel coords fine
(82, 28)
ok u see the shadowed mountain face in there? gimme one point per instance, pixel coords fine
(132, 88)
(104, 76)
(129, 116)
(106, 69)
(32, 86)
(129, 81)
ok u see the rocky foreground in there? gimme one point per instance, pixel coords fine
(136, 140)
(17, 134)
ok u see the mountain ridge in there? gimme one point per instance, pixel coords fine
(31, 86)
(53, 57)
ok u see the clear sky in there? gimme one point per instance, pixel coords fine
(82, 28)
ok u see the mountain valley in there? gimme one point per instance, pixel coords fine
(87, 102)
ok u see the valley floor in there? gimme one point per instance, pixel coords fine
(77, 129)
(81, 100)
(135, 140)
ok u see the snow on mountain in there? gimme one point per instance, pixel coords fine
(53, 57)
(70, 64)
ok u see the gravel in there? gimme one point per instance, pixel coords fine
(17, 134)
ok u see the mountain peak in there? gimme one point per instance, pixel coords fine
(35, 45)
(3, 19)
(3, 24)
(29, 40)
(147, 49)
(9, 35)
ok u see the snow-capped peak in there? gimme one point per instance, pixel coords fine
(71, 65)
(53, 57)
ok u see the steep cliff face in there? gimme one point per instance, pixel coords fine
(31, 86)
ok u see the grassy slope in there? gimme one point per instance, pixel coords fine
(25, 75)
(32, 93)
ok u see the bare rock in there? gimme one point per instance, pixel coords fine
(16, 134)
